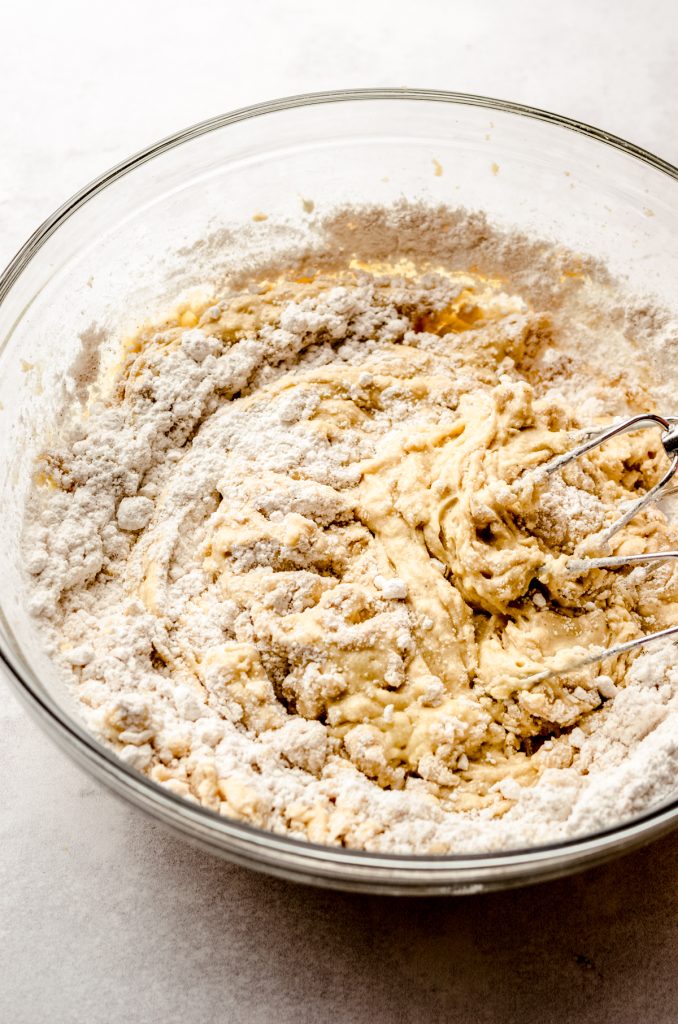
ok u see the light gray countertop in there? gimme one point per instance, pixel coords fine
(103, 917)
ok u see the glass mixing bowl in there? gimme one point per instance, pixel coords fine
(125, 245)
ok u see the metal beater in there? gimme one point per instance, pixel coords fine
(595, 438)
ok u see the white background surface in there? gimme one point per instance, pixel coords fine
(102, 917)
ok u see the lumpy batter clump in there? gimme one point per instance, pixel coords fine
(300, 561)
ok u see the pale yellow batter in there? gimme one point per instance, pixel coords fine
(402, 601)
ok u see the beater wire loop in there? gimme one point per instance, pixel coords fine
(595, 438)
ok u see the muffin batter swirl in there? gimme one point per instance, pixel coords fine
(310, 550)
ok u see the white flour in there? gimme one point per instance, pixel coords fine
(138, 482)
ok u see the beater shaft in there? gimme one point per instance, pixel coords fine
(593, 659)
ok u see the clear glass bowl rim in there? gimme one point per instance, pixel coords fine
(247, 844)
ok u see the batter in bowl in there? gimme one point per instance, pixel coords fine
(299, 560)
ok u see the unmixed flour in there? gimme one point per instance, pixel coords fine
(294, 555)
